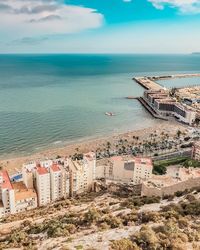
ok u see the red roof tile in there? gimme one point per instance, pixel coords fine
(55, 168)
(6, 180)
(42, 170)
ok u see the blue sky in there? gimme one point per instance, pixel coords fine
(99, 26)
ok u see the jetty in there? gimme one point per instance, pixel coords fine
(149, 82)
(131, 97)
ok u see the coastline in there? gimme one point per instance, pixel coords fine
(12, 164)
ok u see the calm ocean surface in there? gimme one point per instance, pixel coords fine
(52, 100)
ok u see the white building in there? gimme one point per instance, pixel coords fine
(15, 197)
(59, 182)
(7, 199)
(42, 184)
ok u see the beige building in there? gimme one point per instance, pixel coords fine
(82, 173)
(126, 169)
(176, 179)
(25, 198)
(196, 151)
(59, 182)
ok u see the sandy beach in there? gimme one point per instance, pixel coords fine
(14, 164)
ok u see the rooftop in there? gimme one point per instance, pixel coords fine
(90, 156)
(22, 193)
(5, 184)
(143, 160)
(55, 167)
(137, 160)
(41, 170)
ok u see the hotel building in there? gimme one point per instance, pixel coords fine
(165, 105)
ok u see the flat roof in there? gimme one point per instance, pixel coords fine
(22, 192)
(137, 160)
(143, 160)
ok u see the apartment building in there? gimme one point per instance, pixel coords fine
(7, 205)
(42, 185)
(196, 151)
(127, 169)
(25, 198)
(59, 179)
(15, 197)
(82, 173)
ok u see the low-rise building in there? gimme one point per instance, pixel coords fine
(15, 197)
(25, 198)
(176, 179)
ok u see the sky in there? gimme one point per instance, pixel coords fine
(99, 26)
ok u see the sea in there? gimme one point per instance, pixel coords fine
(54, 100)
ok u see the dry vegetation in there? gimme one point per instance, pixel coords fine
(106, 221)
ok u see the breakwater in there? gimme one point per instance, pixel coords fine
(149, 82)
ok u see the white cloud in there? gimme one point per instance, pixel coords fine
(184, 6)
(28, 18)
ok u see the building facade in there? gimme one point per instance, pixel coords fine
(165, 105)
(196, 151)
(42, 185)
(15, 197)
(128, 169)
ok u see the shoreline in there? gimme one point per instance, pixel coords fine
(12, 164)
(13, 161)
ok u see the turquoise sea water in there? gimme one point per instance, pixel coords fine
(51, 100)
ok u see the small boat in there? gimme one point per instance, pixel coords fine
(109, 114)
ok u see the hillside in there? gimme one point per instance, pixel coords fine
(108, 221)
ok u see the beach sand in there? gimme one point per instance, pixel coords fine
(12, 165)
